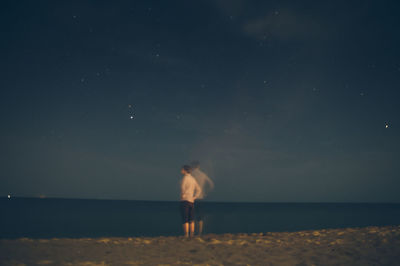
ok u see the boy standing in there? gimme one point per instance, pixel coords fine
(190, 191)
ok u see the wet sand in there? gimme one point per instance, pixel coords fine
(351, 246)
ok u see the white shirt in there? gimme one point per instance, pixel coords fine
(190, 190)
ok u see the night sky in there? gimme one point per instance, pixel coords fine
(280, 101)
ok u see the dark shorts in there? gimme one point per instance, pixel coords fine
(187, 211)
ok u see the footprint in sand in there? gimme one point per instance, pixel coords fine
(104, 240)
(45, 262)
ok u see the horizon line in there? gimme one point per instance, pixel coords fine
(208, 201)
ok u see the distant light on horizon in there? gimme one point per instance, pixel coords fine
(9, 196)
(132, 115)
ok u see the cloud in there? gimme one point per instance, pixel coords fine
(267, 20)
(285, 25)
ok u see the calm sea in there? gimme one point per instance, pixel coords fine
(47, 218)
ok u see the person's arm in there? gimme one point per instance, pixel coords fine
(197, 190)
(210, 182)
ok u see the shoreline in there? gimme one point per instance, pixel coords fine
(12, 197)
(344, 246)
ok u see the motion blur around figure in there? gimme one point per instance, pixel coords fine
(190, 191)
(206, 185)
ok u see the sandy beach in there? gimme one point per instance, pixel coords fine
(350, 246)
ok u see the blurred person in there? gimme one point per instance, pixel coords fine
(206, 185)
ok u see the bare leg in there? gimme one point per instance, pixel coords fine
(200, 227)
(192, 228)
(185, 227)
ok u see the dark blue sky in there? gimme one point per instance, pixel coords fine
(278, 100)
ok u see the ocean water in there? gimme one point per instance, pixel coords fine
(48, 218)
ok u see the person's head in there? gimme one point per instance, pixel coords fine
(195, 164)
(186, 169)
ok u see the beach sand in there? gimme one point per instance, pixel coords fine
(350, 246)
